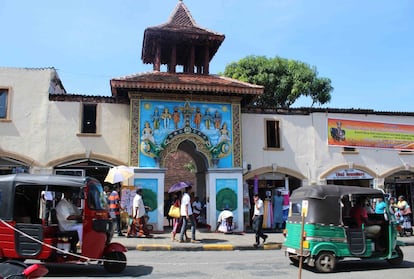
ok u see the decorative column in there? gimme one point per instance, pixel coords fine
(192, 60)
(206, 60)
(157, 61)
(173, 59)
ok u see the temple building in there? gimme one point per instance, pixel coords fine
(184, 108)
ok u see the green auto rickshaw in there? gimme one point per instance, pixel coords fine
(320, 230)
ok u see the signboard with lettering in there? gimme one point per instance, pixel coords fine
(349, 174)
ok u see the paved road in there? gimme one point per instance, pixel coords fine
(249, 264)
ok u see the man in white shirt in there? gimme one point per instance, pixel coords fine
(69, 216)
(258, 220)
(138, 213)
(187, 216)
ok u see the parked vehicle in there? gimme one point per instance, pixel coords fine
(26, 234)
(17, 269)
(320, 231)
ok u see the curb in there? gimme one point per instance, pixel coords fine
(273, 246)
(205, 247)
(152, 247)
(212, 247)
(163, 246)
(218, 247)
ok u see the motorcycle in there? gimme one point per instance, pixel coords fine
(17, 269)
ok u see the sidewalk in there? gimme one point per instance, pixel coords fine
(210, 241)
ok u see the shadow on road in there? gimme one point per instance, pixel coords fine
(93, 270)
(365, 265)
(368, 265)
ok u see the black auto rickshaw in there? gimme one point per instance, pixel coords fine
(26, 234)
(320, 230)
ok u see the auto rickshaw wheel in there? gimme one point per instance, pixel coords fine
(325, 262)
(294, 259)
(398, 260)
(116, 263)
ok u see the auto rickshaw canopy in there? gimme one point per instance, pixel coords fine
(325, 202)
(9, 184)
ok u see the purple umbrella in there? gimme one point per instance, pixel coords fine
(178, 187)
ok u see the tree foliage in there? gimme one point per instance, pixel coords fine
(284, 80)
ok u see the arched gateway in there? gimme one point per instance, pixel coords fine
(190, 111)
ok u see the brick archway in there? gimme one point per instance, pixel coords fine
(190, 143)
(182, 150)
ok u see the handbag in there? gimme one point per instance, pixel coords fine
(407, 210)
(174, 212)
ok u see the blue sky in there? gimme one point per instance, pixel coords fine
(364, 47)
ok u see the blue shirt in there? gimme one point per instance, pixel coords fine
(380, 207)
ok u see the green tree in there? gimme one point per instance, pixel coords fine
(284, 80)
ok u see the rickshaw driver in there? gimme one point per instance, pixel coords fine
(69, 215)
(372, 228)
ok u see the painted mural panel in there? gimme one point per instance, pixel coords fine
(226, 197)
(149, 194)
(127, 198)
(353, 133)
(161, 121)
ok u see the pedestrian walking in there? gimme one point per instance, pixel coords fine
(177, 222)
(405, 211)
(114, 202)
(258, 220)
(187, 216)
(138, 226)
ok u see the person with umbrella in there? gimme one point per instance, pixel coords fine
(187, 215)
(178, 222)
